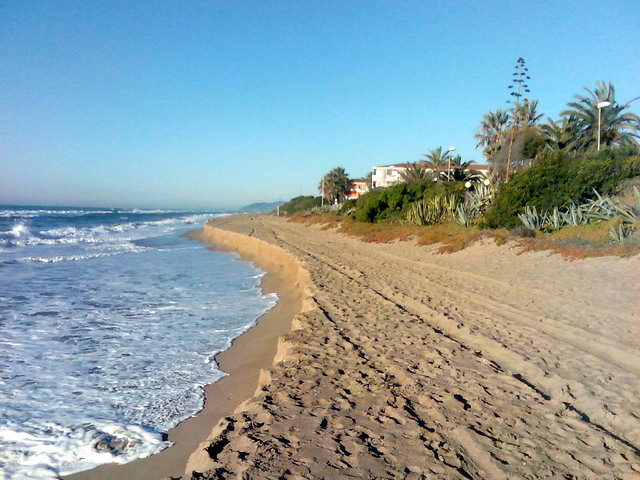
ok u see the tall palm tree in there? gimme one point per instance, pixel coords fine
(617, 126)
(334, 185)
(560, 135)
(491, 131)
(524, 117)
(437, 161)
(415, 173)
(525, 114)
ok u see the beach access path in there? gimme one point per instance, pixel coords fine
(484, 363)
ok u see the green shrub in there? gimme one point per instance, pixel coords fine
(390, 204)
(559, 179)
(346, 207)
(299, 204)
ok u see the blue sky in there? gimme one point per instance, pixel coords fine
(216, 104)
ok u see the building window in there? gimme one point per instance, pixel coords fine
(389, 171)
(374, 171)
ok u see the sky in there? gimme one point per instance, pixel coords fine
(217, 104)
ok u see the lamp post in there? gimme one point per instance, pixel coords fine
(600, 106)
(449, 150)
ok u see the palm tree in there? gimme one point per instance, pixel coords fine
(525, 114)
(560, 135)
(617, 127)
(458, 173)
(437, 161)
(334, 185)
(524, 117)
(415, 173)
(491, 131)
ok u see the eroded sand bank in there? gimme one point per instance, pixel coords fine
(406, 364)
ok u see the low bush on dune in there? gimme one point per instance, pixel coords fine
(562, 203)
(300, 204)
(391, 204)
(559, 179)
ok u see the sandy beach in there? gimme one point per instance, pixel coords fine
(485, 363)
(403, 363)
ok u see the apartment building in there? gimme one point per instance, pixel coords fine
(387, 175)
(357, 188)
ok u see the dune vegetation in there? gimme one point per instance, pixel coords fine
(569, 185)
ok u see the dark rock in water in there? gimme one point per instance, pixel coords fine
(115, 445)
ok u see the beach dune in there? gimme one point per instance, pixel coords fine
(403, 363)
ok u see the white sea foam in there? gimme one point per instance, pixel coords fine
(20, 236)
(38, 213)
(19, 231)
(49, 450)
(73, 258)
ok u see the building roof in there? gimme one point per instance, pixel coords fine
(357, 180)
(477, 166)
(397, 165)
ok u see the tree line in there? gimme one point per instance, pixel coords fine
(512, 138)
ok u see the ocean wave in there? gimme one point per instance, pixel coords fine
(21, 236)
(48, 451)
(17, 231)
(38, 213)
(72, 258)
(151, 211)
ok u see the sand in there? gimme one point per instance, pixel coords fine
(402, 363)
(407, 364)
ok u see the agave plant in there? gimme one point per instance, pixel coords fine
(554, 220)
(629, 213)
(461, 216)
(574, 216)
(599, 208)
(432, 210)
(620, 233)
(531, 218)
(480, 198)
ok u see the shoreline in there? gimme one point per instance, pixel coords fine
(251, 353)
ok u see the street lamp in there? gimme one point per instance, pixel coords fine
(600, 106)
(449, 150)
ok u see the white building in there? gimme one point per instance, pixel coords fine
(387, 175)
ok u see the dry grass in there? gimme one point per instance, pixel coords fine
(584, 241)
(452, 236)
(572, 243)
(578, 252)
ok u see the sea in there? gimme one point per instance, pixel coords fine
(110, 321)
